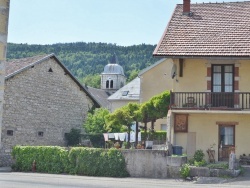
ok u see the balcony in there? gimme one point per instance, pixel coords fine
(210, 101)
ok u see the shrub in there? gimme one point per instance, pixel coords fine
(198, 159)
(97, 140)
(156, 135)
(79, 160)
(185, 171)
(223, 165)
(200, 163)
(97, 162)
(73, 137)
(49, 159)
(198, 155)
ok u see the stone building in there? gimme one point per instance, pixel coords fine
(42, 102)
(112, 79)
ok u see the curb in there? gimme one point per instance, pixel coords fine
(5, 169)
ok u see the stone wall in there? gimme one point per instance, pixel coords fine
(40, 107)
(148, 163)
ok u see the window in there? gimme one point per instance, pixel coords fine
(223, 78)
(111, 84)
(107, 84)
(125, 93)
(223, 85)
(40, 133)
(10, 132)
(226, 140)
(226, 135)
(50, 70)
(164, 127)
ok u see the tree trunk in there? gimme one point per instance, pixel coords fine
(136, 133)
(129, 130)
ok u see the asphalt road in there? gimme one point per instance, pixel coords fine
(36, 180)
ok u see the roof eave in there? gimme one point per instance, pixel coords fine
(200, 57)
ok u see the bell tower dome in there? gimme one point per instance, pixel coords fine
(113, 78)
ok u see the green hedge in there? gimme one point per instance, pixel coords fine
(50, 159)
(157, 135)
(82, 161)
(97, 162)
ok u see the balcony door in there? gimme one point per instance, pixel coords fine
(222, 85)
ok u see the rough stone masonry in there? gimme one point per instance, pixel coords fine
(42, 103)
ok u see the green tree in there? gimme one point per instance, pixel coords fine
(155, 108)
(95, 122)
(83, 59)
(125, 116)
(133, 74)
(92, 81)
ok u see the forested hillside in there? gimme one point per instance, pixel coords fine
(87, 60)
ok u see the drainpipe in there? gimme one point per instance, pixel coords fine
(4, 19)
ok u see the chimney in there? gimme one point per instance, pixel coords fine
(186, 7)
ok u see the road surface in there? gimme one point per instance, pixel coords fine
(37, 180)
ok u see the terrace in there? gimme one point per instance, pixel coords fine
(210, 101)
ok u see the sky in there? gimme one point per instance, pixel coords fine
(121, 22)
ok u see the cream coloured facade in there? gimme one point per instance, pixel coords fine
(206, 119)
(154, 80)
(210, 99)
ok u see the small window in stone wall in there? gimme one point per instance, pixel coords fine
(10, 132)
(66, 136)
(40, 133)
(50, 70)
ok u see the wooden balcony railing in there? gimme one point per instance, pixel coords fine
(210, 100)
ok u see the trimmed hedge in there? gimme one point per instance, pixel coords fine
(81, 161)
(157, 135)
(50, 159)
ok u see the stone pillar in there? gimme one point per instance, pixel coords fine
(232, 161)
(4, 18)
(170, 132)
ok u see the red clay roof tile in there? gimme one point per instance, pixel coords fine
(214, 29)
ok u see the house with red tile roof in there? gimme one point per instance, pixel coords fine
(209, 45)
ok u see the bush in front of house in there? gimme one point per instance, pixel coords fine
(79, 160)
(97, 162)
(49, 159)
(185, 171)
(198, 159)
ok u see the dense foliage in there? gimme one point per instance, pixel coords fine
(98, 162)
(95, 121)
(87, 59)
(48, 159)
(124, 116)
(81, 161)
(101, 121)
(73, 137)
(156, 135)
